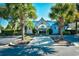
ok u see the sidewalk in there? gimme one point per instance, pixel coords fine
(65, 51)
(7, 39)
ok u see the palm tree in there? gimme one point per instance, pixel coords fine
(21, 11)
(30, 24)
(13, 25)
(64, 13)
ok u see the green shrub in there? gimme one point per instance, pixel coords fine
(10, 32)
(78, 31)
(34, 31)
(50, 31)
(66, 32)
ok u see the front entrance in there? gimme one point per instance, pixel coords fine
(42, 32)
(42, 29)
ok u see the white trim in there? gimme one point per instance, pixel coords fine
(0, 31)
(44, 26)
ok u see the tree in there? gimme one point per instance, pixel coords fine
(13, 25)
(30, 24)
(64, 13)
(21, 11)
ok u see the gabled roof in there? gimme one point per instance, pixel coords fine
(47, 22)
(42, 19)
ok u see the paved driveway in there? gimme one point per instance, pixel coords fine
(65, 51)
(42, 41)
(8, 39)
(37, 47)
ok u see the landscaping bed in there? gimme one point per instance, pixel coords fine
(25, 41)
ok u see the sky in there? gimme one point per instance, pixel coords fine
(3, 22)
(42, 10)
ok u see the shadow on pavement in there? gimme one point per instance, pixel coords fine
(24, 50)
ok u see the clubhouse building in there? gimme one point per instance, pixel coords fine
(43, 27)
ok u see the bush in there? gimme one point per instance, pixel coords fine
(7, 32)
(66, 32)
(50, 31)
(71, 32)
(10, 32)
(34, 31)
(78, 31)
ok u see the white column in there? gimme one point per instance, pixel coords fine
(38, 32)
(0, 31)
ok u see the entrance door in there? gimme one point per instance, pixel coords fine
(43, 32)
(42, 29)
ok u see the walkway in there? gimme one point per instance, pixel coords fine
(8, 39)
(65, 51)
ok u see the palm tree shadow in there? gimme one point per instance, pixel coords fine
(24, 50)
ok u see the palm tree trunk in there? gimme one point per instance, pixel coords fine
(61, 33)
(23, 31)
(22, 28)
(61, 25)
(76, 26)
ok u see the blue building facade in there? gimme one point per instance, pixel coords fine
(43, 25)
